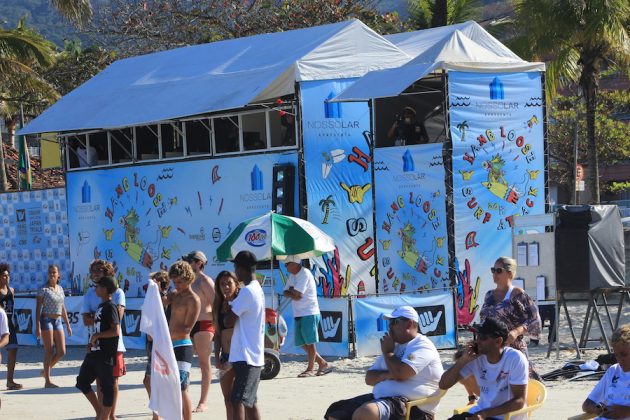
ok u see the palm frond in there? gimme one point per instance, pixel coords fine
(77, 11)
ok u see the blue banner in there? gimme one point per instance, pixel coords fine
(411, 218)
(332, 329)
(498, 172)
(435, 309)
(144, 218)
(34, 235)
(339, 186)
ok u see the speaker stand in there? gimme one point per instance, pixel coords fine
(592, 312)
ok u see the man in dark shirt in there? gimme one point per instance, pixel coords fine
(406, 130)
(100, 359)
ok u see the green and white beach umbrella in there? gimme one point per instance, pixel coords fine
(276, 235)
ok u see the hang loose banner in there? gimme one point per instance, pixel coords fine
(498, 172)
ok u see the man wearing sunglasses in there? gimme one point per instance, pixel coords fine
(409, 369)
(501, 372)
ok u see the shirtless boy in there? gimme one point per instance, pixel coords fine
(203, 331)
(185, 307)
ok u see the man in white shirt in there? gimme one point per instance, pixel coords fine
(409, 369)
(87, 156)
(247, 351)
(501, 372)
(301, 289)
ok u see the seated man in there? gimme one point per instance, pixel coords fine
(408, 369)
(610, 398)
(501, 372)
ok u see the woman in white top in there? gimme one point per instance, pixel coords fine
(49, 312)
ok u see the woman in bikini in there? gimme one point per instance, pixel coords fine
(226, 288)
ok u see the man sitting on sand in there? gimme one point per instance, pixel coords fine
(185, 306)
(501, 372)
(409, 369)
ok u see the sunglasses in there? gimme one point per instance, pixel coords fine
(484, 337)
(395, 321)
(497, 270)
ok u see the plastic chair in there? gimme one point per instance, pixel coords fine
(583, 416)
(422, 401)
(536, 396)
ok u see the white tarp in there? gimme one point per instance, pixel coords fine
(465, 46)
(218, 76)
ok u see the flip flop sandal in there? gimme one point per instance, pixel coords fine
(324, 371)
(307, 374)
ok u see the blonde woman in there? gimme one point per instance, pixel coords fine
(50, 311)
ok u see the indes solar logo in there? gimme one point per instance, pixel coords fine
(256, 237)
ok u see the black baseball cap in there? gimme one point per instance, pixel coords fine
(108, 283)
(492, 327)
(245, 259)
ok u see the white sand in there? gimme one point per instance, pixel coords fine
(285, 397)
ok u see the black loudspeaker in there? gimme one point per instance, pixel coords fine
(283, 192)
(572, 248)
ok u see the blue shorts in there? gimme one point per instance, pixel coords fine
(306, 329)
(47, 323)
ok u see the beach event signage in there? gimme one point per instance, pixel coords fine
(498, 172)
(24, 319)
(332, 329)
(144, 218)
(435, 309)
(34, 235)
(338, 169)
(411, 218)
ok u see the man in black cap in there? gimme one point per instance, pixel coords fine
(405, 130)
(247, 348)
(100, 360)
(501, 372)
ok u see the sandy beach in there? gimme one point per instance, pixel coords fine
(285, 397)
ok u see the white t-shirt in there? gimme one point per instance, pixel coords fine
(4, 323)
(248, 337)
(304, 282)
(494, 380)
(424, 359)
(613, 388)
(90, 305)
(87, 157)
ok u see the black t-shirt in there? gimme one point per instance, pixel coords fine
(106, 316)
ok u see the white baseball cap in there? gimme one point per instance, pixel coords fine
(292, 259)
(403, 312)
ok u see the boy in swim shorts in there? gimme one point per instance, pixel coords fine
(184, 307)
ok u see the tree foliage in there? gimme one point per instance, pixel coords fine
(432, 13)
(137, 27)
(75, 65)
(613, 142)
(582, 38)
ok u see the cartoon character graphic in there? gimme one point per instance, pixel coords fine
(132, 244)
(496, 183)
(409, 253)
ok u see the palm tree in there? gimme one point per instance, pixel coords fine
(78, 12)
(22, 50)
(326, 203)
(433, 13)
(462, 127)
(583, 37)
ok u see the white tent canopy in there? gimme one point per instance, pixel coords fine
(465, 46)
(218, 76)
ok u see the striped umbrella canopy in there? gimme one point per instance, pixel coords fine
(275, 235)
